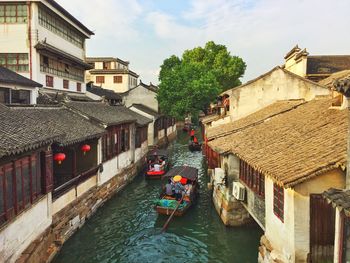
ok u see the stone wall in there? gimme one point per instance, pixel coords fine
(230, 210)
(73, 216)
(267, 254)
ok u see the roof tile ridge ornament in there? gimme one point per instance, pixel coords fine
(302, 53)
(294, 50)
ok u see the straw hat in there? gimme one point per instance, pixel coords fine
(177, 178)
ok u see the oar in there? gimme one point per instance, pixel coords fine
(172, 214)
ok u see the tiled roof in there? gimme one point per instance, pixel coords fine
(327, 64)
(329, 81)
(106, 59)
(53, 97)
(101, 112)
(114, 71)
(253, 119)
(22, 132)
(9, 77)
(108, 94)
(140, 120)
(294, 146)
(74, 127)
(339, 198)
(146, 109)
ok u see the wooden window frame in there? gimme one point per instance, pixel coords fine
(49, 81)
(66, 84)
(278, 201)
(252, 178)
(18, 19)
(118, 79)
(18, 66)
(100, 79)
(19, 186)
(78, 86)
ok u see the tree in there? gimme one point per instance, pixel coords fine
(189, 84)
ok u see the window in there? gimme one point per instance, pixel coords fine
(15, 61)
(100, 79)
(278, 201)
(9, 96)
(106, 65)
(252, 178)
(65, 84)
(54, 66)
(20, 186)
(13, 13)
(49, 81)
(118, 79)
(78, 86)
(57, 25)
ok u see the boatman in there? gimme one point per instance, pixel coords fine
(195, 140)
(179, 188)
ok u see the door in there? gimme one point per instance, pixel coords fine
(322, 226)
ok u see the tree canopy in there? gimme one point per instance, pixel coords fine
(190, 83)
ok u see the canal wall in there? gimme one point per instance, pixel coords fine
(72, 216)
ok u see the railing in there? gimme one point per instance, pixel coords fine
(62, 189)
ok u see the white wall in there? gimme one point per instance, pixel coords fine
(280, 234)
(141, 95)
(13, 38)
(17, 235)
(278, 85)
(109, 82)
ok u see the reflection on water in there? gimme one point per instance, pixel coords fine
(127, 228)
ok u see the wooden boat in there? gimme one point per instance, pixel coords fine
(153, 159)
(167, 204)
(194, 146)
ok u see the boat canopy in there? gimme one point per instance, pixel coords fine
(188, 172)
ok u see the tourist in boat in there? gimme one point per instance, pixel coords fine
(169, 188)
(195, 140)
(179, 188)
(162, 163)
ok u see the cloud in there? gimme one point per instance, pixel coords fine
(259, 31)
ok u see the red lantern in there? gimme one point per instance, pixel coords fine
(85, 148)
(59, 157)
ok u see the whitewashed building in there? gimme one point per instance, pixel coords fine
(45, 43)
(111, 73)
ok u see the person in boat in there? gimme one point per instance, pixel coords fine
(179, 188)
(192, 134)
(195, 140)
(162, 163)
(169, 188)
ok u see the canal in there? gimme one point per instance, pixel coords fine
(127, 229)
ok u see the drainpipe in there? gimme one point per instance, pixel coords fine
(30, 38)
(343, 86)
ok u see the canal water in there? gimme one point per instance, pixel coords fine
(127, 228)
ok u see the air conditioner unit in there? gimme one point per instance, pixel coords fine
(238, 191)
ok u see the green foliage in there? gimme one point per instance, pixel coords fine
(189, 84)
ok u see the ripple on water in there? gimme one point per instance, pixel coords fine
(127, 229)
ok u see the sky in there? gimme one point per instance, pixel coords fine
(261, 32)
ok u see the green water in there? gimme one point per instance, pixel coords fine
(127, 228)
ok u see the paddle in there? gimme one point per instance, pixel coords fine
(172, 214)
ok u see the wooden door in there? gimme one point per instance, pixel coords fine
(322, 226)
